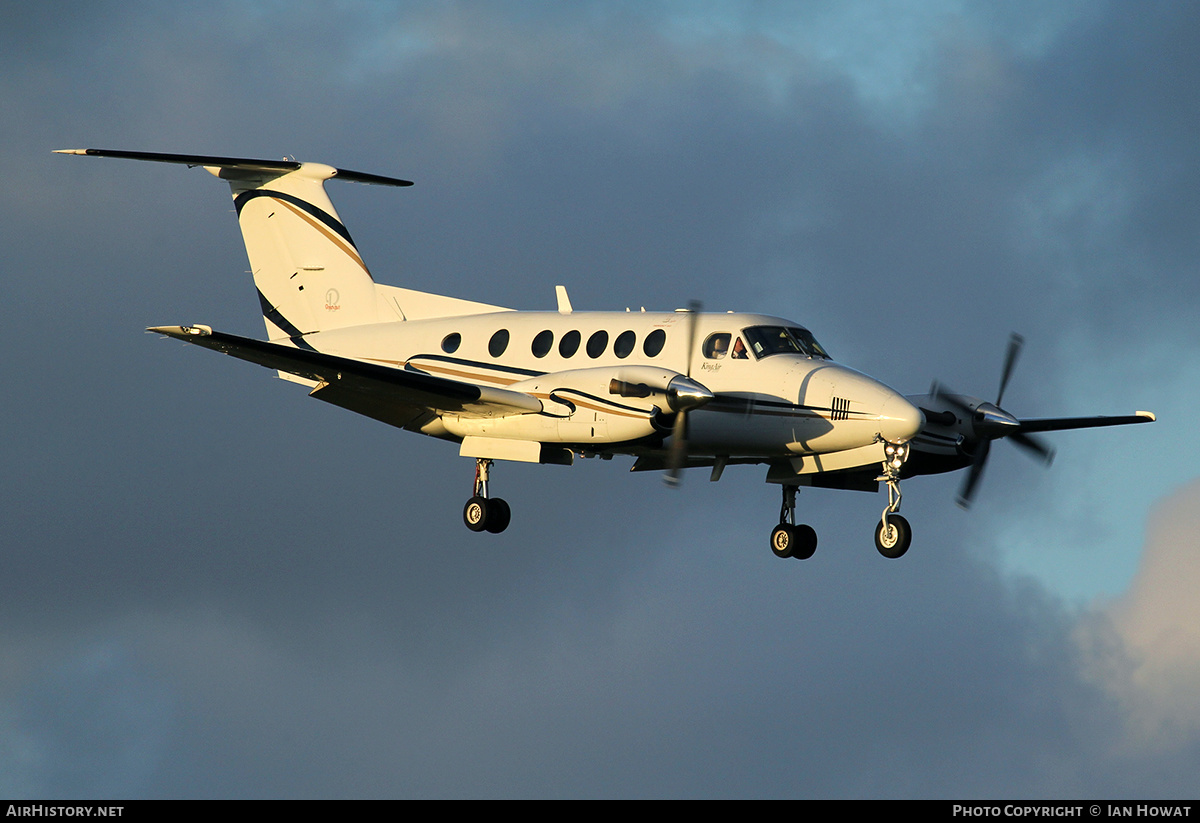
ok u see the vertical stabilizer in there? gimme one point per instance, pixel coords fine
(308, 272)
(306, 268)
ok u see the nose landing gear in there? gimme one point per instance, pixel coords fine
(893, 534)
(483, 513)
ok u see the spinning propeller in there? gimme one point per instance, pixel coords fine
(979, 423)
(986, 422)
(681, 392)
(680, 402)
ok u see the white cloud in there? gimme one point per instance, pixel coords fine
(1158, 622)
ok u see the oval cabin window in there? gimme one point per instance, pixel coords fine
(451, 342)
(498, 343)
(597, 343)
(655, 341)
(623, 347)
(543, 343)
(569, 343)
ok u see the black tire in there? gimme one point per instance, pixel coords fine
(498, 515)
(806, 541)
(783, 540)
(475, 513)
(894, 541)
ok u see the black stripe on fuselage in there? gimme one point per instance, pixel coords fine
(458, 361)
(720, 404)
(738, 405)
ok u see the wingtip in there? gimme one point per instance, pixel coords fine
(182, 331)
(1148, 415)
(70, 151)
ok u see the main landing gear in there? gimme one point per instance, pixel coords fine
(788, 539)
(483, 513)
(892, 536)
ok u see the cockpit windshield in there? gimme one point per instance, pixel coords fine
(809, 343)
(767, 340)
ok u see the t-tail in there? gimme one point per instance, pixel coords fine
(307, 269)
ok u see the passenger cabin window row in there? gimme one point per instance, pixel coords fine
(568, 345)
(762, 341)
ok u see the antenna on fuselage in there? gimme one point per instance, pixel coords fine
(564, 302)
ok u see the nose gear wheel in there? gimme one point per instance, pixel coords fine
(893, 536)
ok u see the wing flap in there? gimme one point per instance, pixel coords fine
(354, 383)
(400, 415)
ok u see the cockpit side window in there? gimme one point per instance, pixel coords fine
(716, 346)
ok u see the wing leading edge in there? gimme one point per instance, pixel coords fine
(392, 395)
(1057, 424)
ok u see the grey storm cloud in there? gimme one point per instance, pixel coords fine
(216, 588)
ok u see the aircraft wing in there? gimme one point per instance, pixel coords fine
(1055, 424)
(393, 395)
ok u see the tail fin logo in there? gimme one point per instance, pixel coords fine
(331, 300)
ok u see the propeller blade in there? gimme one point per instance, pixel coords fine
(694, 309)
(968, 488)
(941, 393)
(1015, 342)
(678, 454)
(1034, 446)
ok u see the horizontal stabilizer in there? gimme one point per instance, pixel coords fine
(234, 164)
(372, 382)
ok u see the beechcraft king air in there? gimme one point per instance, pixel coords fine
(673, 390)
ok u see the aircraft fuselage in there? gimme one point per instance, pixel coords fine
(766, 403)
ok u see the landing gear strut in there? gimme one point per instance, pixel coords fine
(483, 513)
(893, 534)
(788, 539)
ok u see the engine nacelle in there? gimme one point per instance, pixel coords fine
(579, 406)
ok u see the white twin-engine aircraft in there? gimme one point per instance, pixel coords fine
(672, 389)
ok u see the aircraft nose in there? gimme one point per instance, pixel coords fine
(900, 420)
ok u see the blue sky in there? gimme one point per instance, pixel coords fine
(216, 588)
